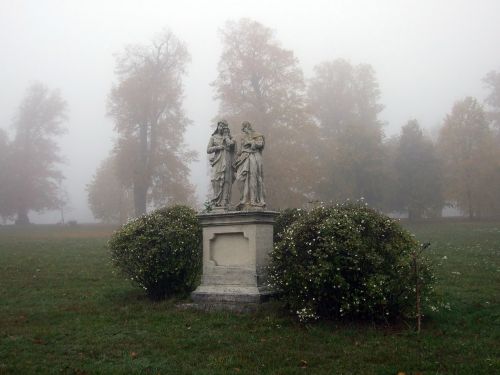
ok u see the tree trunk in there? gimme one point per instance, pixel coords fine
(141, 178)
(412, 215)
(415, 214)
(140, 198)
(22, 217)
(469, 202)
(121, 207)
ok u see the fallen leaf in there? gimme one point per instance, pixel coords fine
(303, 363)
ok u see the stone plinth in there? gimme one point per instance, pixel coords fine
(235, 256)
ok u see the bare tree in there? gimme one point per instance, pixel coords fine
(63, 200)
(146, 105)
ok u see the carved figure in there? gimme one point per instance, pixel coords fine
(248, 167)
(221, 148)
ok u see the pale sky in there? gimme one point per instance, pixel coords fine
(426, 54)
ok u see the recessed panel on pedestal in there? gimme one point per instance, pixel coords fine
(230, 249)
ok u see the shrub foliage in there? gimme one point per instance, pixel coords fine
(286, 217)
(160, 251)
(347, 261)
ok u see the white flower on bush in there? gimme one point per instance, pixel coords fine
(303, 255)
(306, 314)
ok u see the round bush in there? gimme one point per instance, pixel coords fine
(160, 251)
(347, 261)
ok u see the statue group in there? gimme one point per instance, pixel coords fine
(237, 161)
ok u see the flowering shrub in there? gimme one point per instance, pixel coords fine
(347, 261)
(161, 251)
(286, 218)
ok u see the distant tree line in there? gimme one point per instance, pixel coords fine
(325, 140)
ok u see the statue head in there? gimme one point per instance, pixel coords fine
(246, 127)
(221, 125)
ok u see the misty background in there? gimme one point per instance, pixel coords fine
(426, 55)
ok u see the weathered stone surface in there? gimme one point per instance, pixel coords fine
(221, 150)
(249, 173)
(236, 246)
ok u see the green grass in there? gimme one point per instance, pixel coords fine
(64, 311)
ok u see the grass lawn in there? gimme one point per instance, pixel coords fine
(64, 311)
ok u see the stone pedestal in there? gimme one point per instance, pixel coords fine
(235, 256)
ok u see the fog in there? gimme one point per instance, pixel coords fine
(426, 55)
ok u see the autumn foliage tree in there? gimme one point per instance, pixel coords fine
(468, 152)
(261, 82)
(344, 99)
(146, 106)
(109, 199)
(34, 176)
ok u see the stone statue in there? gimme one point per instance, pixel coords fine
(221, 149)
(248, 167)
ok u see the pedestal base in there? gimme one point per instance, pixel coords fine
(243, 299)
(236, 246)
